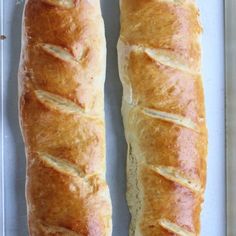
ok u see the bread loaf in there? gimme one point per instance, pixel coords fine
(164, 115)
(61, 89)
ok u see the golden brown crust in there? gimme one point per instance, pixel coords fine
(61, 79)
(163, 24)
(164, 116)
(172, 90)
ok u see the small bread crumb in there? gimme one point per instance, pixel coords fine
(2, 37)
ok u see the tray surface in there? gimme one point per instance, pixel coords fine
(230, 54)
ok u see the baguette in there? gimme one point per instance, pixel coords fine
(164, 115)
(61, 92)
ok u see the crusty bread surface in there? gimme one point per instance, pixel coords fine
(61, 92)
(163, 110)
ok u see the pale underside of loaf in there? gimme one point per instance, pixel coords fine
(164, 116)
(61, 93)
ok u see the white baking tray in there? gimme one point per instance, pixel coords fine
(230, 75)
(12, 200)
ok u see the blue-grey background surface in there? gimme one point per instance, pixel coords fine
(12, 200)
